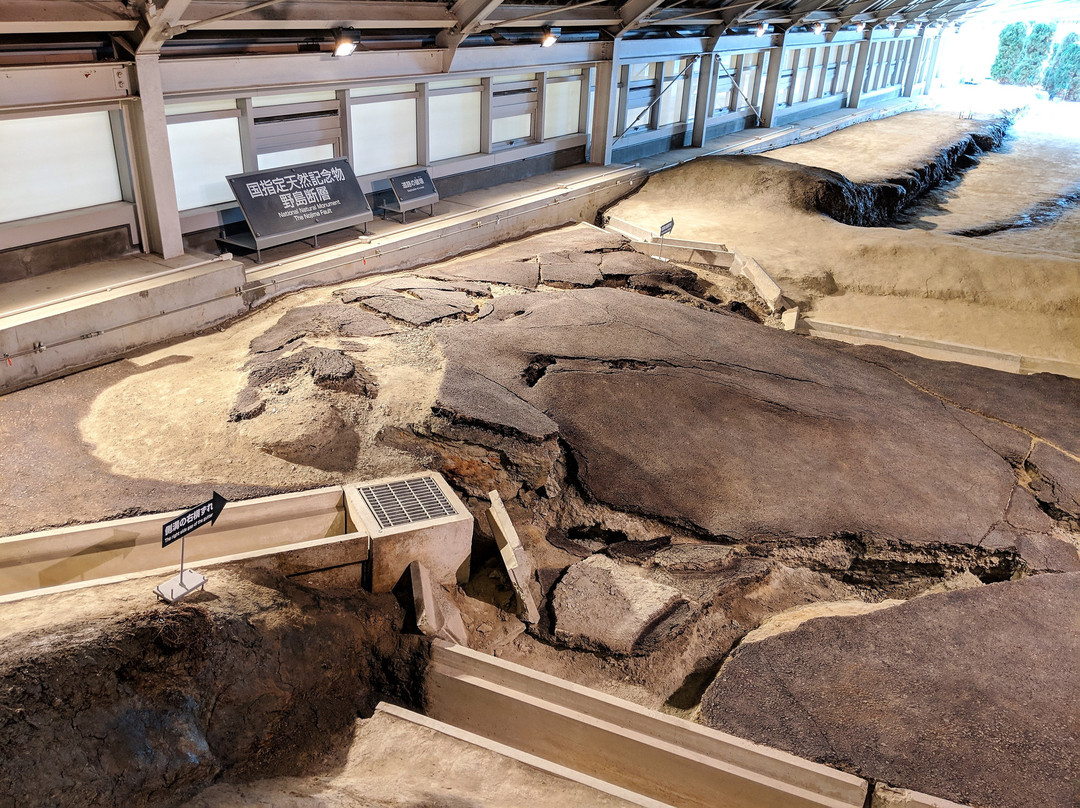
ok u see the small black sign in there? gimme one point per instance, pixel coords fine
(195, 518)
(299, 201)
(667, 227)
(412, 186)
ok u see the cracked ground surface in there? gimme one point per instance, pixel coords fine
(621, 410)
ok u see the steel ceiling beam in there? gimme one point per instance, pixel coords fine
(632, 12)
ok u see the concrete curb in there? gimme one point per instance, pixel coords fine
(656, 755)
(938, 349)
(522, 757)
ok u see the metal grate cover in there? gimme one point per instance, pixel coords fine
(404, 502)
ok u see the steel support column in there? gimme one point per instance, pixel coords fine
(706, 93)
(858, 77)
(605, 109)
(772, 81)
(151, 141)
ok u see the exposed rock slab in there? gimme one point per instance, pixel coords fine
(411, 310)
(411, 284)
(603, 605)
(326, 319)
(1044, 404)
(969, 695)
(472, 397)
(570, 274)
(492, 269)
(518, 263)
(459, 300)
(647, 393)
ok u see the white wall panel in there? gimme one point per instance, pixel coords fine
(203, 154)
(454, 125)
(384, 135)
(562, 108)
(56, 163)
(292, 157)
(514, 127)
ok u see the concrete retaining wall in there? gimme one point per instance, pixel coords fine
(65, 336)
(719, 258)
(428, 241)
(938, 349)
(661, 757)
(121, 548)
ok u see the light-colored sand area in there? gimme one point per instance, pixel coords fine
(991, 293)
(190, 386)
(881, 149)
(1039, 161)
(394, 763)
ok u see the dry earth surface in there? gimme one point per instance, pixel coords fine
(811, 214)
(679, 474)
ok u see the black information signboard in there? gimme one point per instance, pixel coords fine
(296, 202)
(667, 227)
(412, 190)
(412, 187)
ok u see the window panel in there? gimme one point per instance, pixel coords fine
(203, 154)
(386, 89)
(513, 127)
(562, 108)
(441, 85)
(292, 157)
(292, 98)
(187, 107)
(633, 120)
(63, 162)
(671, 102)
(384, 135)
(507, 78)
(454, 125)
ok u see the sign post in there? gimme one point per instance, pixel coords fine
(187, 581)
(665, 228)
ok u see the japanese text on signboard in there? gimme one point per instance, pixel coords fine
(301, 195)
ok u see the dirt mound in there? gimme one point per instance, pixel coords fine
(797, 222)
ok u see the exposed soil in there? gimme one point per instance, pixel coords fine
(798, 219)
(109, 698)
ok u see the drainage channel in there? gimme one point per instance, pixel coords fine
(308, 532)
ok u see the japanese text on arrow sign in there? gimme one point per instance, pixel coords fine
(193, 519)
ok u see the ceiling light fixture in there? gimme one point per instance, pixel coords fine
(344, 42)
(761, 30)
(548, 37)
